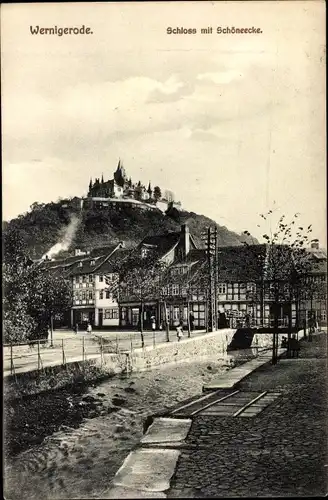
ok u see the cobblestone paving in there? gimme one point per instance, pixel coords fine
(280, 452)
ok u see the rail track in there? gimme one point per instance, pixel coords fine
(233, 404)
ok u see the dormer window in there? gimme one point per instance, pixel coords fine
(93, 262)
(80, 264)
(144, 252)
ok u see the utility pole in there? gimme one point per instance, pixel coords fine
(216, 278)
(211, 248)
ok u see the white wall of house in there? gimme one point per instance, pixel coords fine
(105, 301)
(162, 205)
(168, 258)
(83, 290)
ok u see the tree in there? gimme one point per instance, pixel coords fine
(140, 279)
(286, 266)
(173, 213)
(157, 193)
(138, 192)
(31, 294)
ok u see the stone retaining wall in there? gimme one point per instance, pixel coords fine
(209, 344)
(265, 339)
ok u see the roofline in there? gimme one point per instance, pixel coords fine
(119, 245)
(170, 250)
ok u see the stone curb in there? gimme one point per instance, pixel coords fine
(147, 471)
(236, 375)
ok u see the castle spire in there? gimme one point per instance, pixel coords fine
(102, 178)
(119, 174)
(149, 190)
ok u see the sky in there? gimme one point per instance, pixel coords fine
(234, 124)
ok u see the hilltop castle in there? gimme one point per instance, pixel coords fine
(121, 189)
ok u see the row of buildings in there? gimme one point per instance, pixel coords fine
(101, 297)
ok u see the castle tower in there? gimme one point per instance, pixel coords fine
(120, 175)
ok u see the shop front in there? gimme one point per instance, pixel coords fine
(130, 315)
(81, 317)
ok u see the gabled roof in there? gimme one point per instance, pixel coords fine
(242, 262)
(318, 253)
(194, 255)
(91, 262)
(111, 265)
(162, 242)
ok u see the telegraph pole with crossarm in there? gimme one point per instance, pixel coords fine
(212, 262)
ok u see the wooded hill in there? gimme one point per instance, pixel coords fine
(44, 225)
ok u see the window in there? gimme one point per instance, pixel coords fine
(80, 264)
(229, 291)
(84, 296)
(179, 270)
(199, 311)
(90, 278)
(323, 315)
(111, 313)
(84, 278)
(73, 280)
(176, 313)
(101, 294)
(101, 278)
(93, 262)
(107, 294)
(144, 252)
(90, 295)
(80, 279)
(175, 289)
(222, 288)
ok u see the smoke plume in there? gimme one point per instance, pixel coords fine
(66, 240)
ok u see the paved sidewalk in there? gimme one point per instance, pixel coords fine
(280, 452)
(234, 376)
(25, 357)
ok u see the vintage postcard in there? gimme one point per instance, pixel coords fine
(164, 249)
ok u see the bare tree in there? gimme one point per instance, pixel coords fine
(286, 266)
(140, 280)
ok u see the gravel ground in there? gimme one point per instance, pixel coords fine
(94, 432)
(280, 452)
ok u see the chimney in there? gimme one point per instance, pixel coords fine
(315, 244)
(185, 239)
